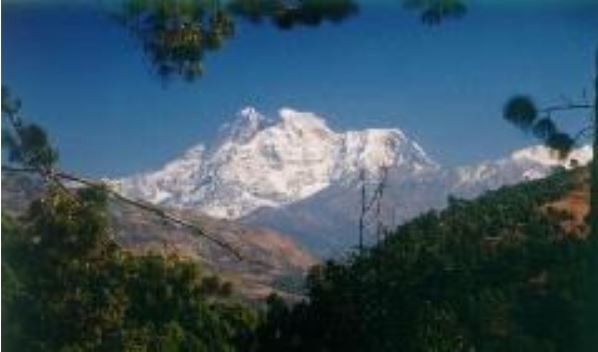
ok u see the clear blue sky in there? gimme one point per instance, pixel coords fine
(84, 77)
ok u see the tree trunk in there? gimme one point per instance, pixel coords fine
(591, 328)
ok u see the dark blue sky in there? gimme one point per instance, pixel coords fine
(84, 77)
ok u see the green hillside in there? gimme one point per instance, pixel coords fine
(499, 273)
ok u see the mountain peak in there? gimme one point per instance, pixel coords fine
(302, 120)
(249, 113)
(247, 123)
(259, 162)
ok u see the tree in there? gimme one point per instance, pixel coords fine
(523, 112)
(433, 12)
(30, 151)
(493, 274)
(71, 287)
(371, 203)
(176, 34)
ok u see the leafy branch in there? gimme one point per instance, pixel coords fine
(176, 34)
(522, 111)
(28, 145)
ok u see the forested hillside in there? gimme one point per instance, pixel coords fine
(500, 273)
(275, 258)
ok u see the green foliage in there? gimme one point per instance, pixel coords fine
(495, 274)
(433, 12)
(521, 111)
(561, 142)
(176, 34)
(68, 286)
(544, 128)
(286, 15)
(33, 149)
(26, 143)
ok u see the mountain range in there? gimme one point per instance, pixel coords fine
(296, 175)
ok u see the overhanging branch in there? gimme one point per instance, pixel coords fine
(61, 175)
(566, 107)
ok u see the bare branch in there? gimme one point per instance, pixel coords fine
(15, 123)
(582, 133)
(61, 175)
(9, 168)
(363, 210)
(565, 99)
(565, 107)
(374, 200)
(49, 173)
(379, 188)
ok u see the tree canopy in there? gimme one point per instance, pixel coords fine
(176, 34)
(68, 286)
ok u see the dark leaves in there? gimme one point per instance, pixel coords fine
(544, 129)
(520, 111)
(72, 285)
(35, 149)
(289, 14)
(176, 34)
(433, 12)
(27, 143)
(561, 143)
(10, 104)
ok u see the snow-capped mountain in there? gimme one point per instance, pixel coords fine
(298, 176)
(525, 164)
(327, 222)
(256, 162)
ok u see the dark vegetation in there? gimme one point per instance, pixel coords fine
(522, 111)
(67, 286)
(176, 34)
(494, 274)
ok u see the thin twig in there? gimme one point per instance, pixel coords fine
(61, 175)
(565, 107)
(581, 133)
(45, 173)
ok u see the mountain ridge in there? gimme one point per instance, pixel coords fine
(296, 175)
(327, 222)
(257, 162)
